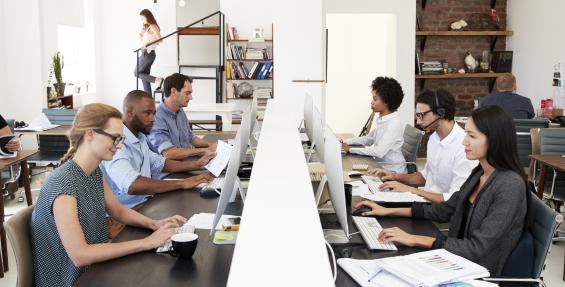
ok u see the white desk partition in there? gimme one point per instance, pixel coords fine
(280, 242)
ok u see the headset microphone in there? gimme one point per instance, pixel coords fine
(432, 123)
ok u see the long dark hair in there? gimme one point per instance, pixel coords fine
(150, 18)
(502, 152)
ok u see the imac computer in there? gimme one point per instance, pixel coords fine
(334, 174)
(309, 123)
(231, 180)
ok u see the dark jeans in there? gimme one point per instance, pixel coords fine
(144, 68)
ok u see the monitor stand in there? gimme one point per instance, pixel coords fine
(335, 236)
(237, 189)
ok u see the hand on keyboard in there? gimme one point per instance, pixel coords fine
(160, 236)
(165, 246)
(397, 186)
(383, 174)
(176, 219)
(395, 234)
(194, 181)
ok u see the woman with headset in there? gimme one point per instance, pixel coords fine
(488, 214)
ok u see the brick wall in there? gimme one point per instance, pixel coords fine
(438, 16)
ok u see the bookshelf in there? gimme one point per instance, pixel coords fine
(251, 61)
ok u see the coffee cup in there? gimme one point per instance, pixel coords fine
(183, 245)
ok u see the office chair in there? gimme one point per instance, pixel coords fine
(532, 248)
(12, 173)
(524, 139)
(17, 228)
(412, 140)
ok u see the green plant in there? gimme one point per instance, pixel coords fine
(57, 67)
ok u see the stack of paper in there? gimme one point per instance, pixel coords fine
(429, 268)
(218, 163)
(205, 221)
(41, 123)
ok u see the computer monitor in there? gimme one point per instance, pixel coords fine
(334, 174)
(309, 122)
(229, 190)
(318, 134)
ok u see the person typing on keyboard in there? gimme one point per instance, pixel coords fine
(489, 213)
(171, 135)
(446, 167)
(134, 173)
(68, 230)
(384, 142)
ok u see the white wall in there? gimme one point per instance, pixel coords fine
(22, 92)
(354, 60)
(405, 11)
(537, 44)
(116, 37)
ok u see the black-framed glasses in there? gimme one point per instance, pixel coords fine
(421, 115)
(116, 139)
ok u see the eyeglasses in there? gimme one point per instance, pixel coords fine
(117, 139)
(421, 115)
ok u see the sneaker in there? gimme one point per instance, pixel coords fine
(159, 83)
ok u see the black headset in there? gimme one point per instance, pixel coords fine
(440, 111)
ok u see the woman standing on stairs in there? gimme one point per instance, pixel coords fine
(149, 33)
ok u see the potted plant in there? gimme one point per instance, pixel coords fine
(57, 67)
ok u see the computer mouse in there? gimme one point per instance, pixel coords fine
(359, 211)
(343, 253)
(209, 192)
(354, 174)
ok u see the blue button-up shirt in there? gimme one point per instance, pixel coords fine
(133, 160)
(170, 130)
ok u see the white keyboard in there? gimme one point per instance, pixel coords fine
(370, 228)
(217, 183)
(183, 229)
(373, 182)
(360, 166)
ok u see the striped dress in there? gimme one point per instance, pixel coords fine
(52, 265)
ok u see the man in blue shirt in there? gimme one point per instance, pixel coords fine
(516, 106)
(171, 135)
(130, 174)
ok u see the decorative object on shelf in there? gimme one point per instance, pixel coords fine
(57, 65)
(244, 90)
(485, 61)
(461, 71)
(494, 18)
(257, 35)
(470, 62)
(481, 22)
(501, 61)
(458, 25)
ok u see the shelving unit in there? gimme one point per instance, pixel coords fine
(493, 34)
(231, 82)
(491, 76)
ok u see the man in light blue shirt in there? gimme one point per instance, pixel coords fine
(130, 173)
(171, 135)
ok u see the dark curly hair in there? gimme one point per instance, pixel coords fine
(444, 98)
(389, 90)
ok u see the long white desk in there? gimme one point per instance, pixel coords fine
(280, 242)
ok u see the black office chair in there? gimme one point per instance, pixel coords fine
(412, 140)
(527, 260)
(10, 175)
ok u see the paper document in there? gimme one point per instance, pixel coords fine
(205, 221)
(393, 196)
(428, 268)
(359, 188)
(217, 164)
(41, 123)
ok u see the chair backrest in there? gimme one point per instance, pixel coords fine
(17, 228)
(412, 140)
(545, 222)
(525, 125)
(552, 141)
(523, 137)
(10, 123)
(534, 135)
(63, 117)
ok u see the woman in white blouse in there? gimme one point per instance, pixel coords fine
(384, 142)
(148, 34)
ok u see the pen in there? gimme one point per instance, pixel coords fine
(375, 275)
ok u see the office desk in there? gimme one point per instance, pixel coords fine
(210, 263)
(22, 157)
(225, 110)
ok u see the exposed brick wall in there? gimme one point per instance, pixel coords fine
(438, 16)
